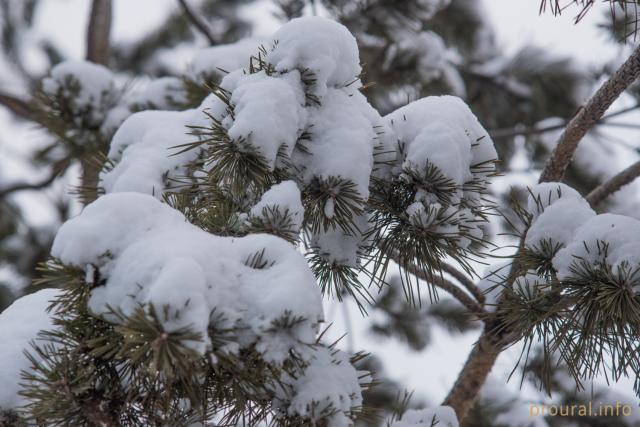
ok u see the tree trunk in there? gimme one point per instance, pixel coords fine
(474, 374)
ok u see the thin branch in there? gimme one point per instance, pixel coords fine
(198, 23)
(535, 130)
(441, 283)
(17, 106)
(588, 116)
(614, 184)
(27, 186)
(98, 30)
(464, 280)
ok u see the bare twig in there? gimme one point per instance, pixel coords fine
(441, 283)
(614, 184)
(535, 130)
(17, 106)
(464, 280)
(588, 116)
(98, 30)
(4, 192)
(198, 23)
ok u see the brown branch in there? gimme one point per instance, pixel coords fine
(27, 186)
(198, 23)
(98, 30)
(474, 374)
(588, 116)
(441, 283)
(464, 280)
(614, 184)
(17, 106)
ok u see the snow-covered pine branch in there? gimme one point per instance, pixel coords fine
(179, 290)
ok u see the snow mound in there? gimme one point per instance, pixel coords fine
(149, 255)
(19, 326)
(87, 90)
(322, 46)
(441, 144)
(330, 386)
(561, 216)
(318, 131)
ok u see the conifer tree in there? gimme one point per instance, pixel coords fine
(179, 296)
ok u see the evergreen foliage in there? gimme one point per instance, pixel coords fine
(117, 368)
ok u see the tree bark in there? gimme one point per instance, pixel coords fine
(588, 116)
(474, 374)
(614, 184)
(98, 31)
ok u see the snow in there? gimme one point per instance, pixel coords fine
(563, 217)
(546, 193)
(284, 196)
(322, 46)
(267, 113)
(340, 248)
(19, 326)
(427, 48)
(211, 64)
(342, 141)
(442, 132)
(330, 385)
(436, 120)
(144, 249)
(141, 150)
(620, 233)
(88, 87)
(441, 416)
(164, 93)
(558, 210)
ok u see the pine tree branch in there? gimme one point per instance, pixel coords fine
(495, 337)
(476, 369)
(198, 23)
(588, 116)
(17, 106)
(464, 280)
(614, 184)
(98, 30)
(441, 283)
(27, 186)
(535, 130)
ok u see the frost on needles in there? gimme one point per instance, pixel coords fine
(186, 275)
